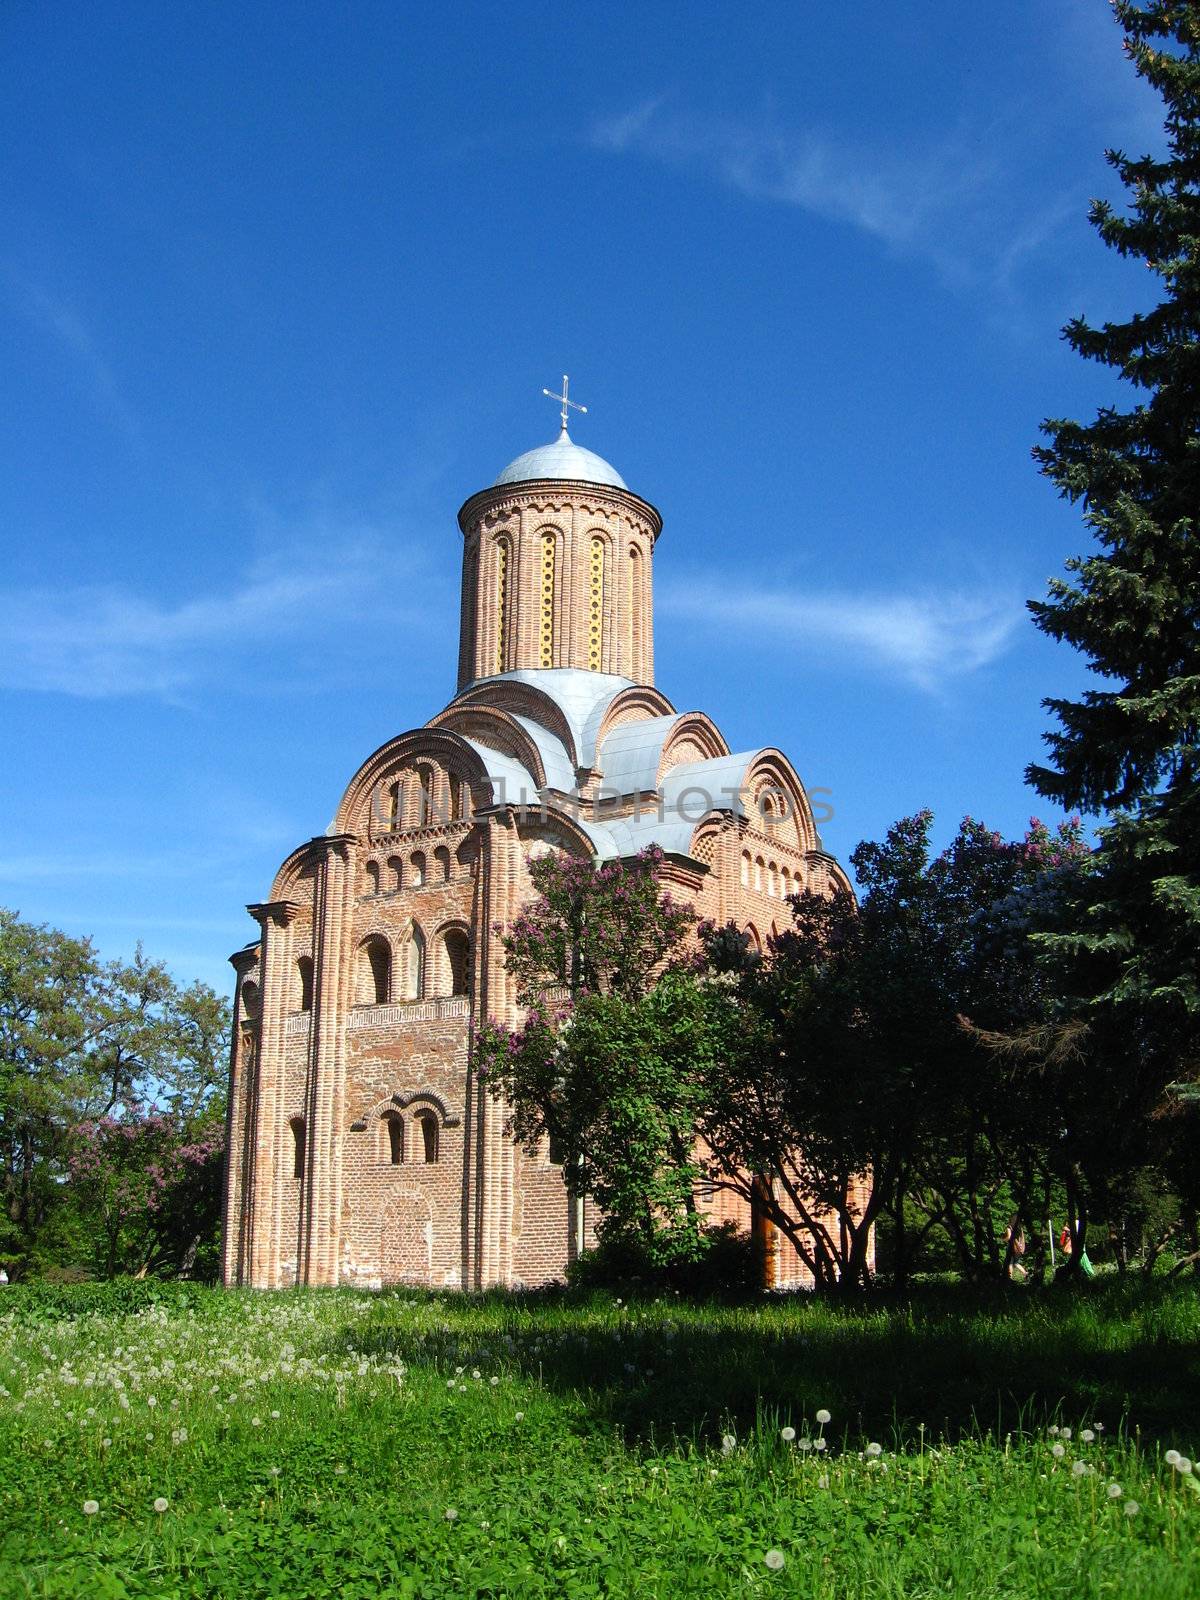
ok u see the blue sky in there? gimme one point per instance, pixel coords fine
(280, 287)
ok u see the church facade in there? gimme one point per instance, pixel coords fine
(361, 1149)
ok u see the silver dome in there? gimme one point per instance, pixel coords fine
(562, 459)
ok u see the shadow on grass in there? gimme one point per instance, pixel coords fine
(957, 1361)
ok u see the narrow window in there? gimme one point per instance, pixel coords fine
(391, 811)
(634, 610)
(773, 880)
(374, 972)
(596, 606)
(546, 632)
(250, 998)
(395, 869)
(758, 873)
(429, 1135)
(304, 971)
(392, 1142)
(458, 808)
(745, 869)
(457, 961)
(297, 1126)
(418, 868)
(503, 605)
(372, 877)
(425, 813)
(441, 857)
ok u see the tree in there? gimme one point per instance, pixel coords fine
(1131, 747)
(858, 1093)
(85, 1046)
(608, 1062)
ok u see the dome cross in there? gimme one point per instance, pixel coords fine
(565, 401)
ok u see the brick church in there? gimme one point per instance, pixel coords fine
(361, 1150)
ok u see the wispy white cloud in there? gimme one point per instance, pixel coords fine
(63, 321)
(928, 640)
(100, 641)
(945, 203)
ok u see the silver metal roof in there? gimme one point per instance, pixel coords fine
(562, 459)
(630, 754)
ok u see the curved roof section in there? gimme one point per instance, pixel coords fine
(582, 698)
(630, 754)
(565, 460)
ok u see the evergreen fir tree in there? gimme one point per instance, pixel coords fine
(1131, 747)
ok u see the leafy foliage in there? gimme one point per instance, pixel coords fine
(111, 1107)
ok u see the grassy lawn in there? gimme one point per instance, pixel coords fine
(312, 1444)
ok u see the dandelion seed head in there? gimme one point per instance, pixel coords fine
(1183, 1465)
(1115, 1491)
(1132, 1508)
(787, 1434)
(161, 1503)
(1079, 1468)
(451, 1514)
(823, 1416)
(1058, 1451)
(1064, 1433)
(1086, 1435)
(728, 1444)
(874, 1449)
(1172, 1458)
(774, 1559)
(90, 1507)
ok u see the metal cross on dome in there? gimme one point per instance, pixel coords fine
(565, 401)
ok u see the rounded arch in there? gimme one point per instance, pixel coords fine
(694, 737)
(635, 704)
(296, 878)
(440, 745)
(296, 1124)
(304, 983)
(389, 1137)
(373, 971)
(751, 933)
(453, 976)
(775, 799)
(418, 870)
(441, 858)
(395, 873)
(523, 699)
(548, 551)
(371, 877)
(250, 997)
(499, 730)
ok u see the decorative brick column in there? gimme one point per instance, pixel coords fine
(325, 1090)
(240, 1123)
(270, 1152)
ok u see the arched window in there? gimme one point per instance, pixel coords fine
(418, 868)
(773, 880)
(458, 958)
(372, 871)
(395, 869)
(428, 1125)
(391, 807)
(458, 798)
(596, 605)
(374, 971)
(633, 606)
(785, 886)
(425, 799)
(414, 965)
(745, 869)
(250, 998)
(503, 602)
(546, 614)
(441, 857)
(758, 873)
(391, 1138)
(297, 1127)
(751, 933)
(304, 975)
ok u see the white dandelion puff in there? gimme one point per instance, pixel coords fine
(90, 1507)
(1086, 1435)
(1172, 1458)
(161, 1503)
(1132, 1508)
(451, 1515)
(774, 1559)
(1058, 1451)
(787, 1434)
(874, 1449)
(823, 1416)
(1115, 1491)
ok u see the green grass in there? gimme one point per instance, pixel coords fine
(313, 1444)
